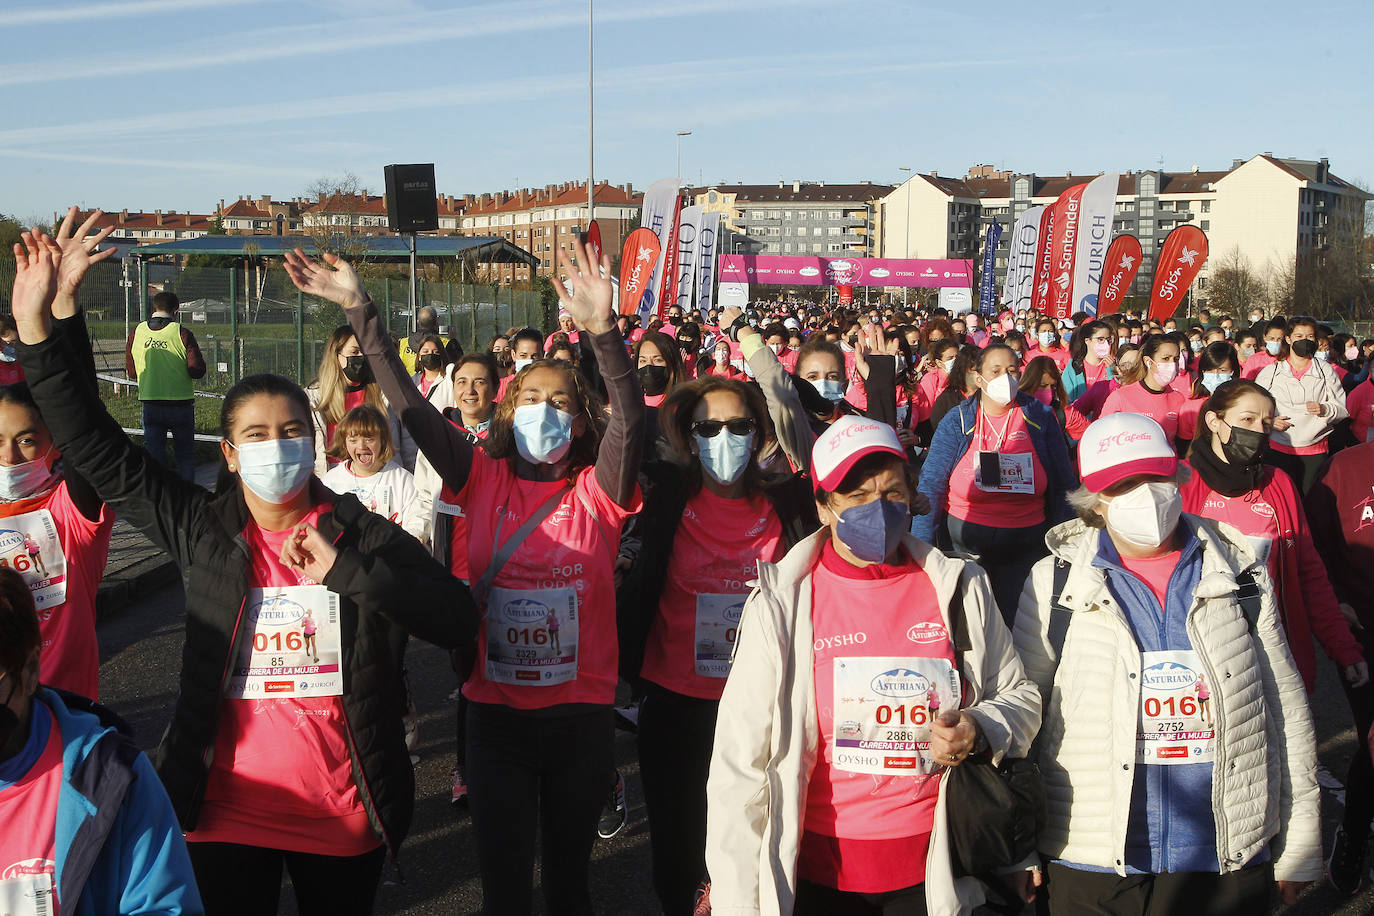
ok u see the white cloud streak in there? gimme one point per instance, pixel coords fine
(48, 15)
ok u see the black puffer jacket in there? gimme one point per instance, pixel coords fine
(388, 583)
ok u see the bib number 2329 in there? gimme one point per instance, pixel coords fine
(532, 636)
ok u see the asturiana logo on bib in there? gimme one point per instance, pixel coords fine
(925, 632)
(10, 540)
(278, 611)
(1168, 676)
(28, 867)
(525, 610)
(900, 683)
(733, 612)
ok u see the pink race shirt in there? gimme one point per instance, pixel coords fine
(1188, 416)
(31, 804)
(893, 626)
(1164, 408)
(1022, 502)
(566, 563)
(715, 553)
(63, 578)
(281, 776)
(1154, 572)
(1250, 513)
(856, 393)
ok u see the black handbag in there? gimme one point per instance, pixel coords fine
(994, 813)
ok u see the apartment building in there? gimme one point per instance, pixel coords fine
(796, 217)
(147, 227)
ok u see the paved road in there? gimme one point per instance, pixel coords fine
(141, 656)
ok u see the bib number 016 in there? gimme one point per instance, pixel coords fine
(902, 715)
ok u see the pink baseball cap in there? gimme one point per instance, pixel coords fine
(1121, 445)
(847, 440)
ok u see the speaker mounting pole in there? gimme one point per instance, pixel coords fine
(414, 288)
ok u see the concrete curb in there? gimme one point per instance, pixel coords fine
(133, 583)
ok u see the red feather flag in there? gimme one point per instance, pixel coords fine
(1180, 258)
(1040, 291)
(1119, 268)
(594, 242)
(637, 260)
(1063, 251)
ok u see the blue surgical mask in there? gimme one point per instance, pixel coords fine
(1273, 346)
(725, 455)
(872, 531)
(830, 389)
(1214, 380)
(1046, 339)
(543, 433)
(275, 470)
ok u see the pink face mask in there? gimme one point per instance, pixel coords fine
(1102, 348)
(1165, 372)
(1044, 395)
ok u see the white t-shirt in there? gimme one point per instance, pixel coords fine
(390, 492)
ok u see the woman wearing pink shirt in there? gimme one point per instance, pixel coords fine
(1217, 364)
(1151, 395)
(1047, 341)
(540, 723)
(1233, 484)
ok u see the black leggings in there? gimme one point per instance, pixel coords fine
(675, 737)
(531, 771)
(1007, 554)
(819, 900)
(239, 880)
(1359, 781)
(1075, 892)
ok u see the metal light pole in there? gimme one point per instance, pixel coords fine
(591, 146)
(680, 135)
(906, 234)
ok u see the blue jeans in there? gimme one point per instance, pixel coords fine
(161, 417)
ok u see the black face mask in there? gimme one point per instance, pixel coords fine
(356, 370)
(653, 379)
(432, 360)
(1305, 348)
(1246, 448)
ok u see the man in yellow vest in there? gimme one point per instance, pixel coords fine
(163, 357)
(427, 322)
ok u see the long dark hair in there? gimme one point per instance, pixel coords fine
(675, 418)
(1078, 343)
(1222, 400)
(1038, 371)
(667, 348)
(1209, 359)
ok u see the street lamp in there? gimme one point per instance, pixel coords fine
(680, 135)
(906, 234)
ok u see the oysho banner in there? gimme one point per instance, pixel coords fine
(780, 270)
(708, 235)
(1020, 281)
(1096, 212)
(687, 228)
(657, 215)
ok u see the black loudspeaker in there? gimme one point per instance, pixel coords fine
(411, 199)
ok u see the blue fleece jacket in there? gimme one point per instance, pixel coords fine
(1076, 382)
(119, 847)
(951, 442)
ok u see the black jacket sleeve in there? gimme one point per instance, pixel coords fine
(151, 497)
(83, 495)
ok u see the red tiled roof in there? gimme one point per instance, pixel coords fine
(560, 195)
(171, 219)
(807, 192)
(349, 203)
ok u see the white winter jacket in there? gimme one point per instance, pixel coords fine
(767, 732)
(1319, 383)
(1264, 785)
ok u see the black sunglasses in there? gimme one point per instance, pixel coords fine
(739, 426)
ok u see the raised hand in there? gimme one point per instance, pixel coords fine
(36, 262)
(333, 279)
(78, 251)
(589, 304)
(307, 552)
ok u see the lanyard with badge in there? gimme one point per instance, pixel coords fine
(531, 632)
(997, 471)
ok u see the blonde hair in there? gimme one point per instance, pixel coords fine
(364, 420)
(331, 383)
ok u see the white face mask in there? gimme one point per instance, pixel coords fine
(521, 363)
(543, 433)
(1147, 515)
(776, 348)
(1002, 390)
(948, 364)
(722, 356)
(29, 478)
(275, 470)
(725, 455)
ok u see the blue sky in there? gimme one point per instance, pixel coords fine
(174, 104)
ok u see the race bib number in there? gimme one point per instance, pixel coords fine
(531, 636)
(28, 895)
(1017, 472)
(295, 649)
(1261, 546)
(883, 709)
(1176, 724)
(453, 510)
(30, 546)
(717, 622)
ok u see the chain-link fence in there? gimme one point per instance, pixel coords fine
(254, 320)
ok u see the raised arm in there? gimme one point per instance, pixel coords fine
(791, 423)
(447, 449)
(590, 304)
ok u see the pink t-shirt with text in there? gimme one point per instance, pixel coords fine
(1009, 435)
(1164, 408)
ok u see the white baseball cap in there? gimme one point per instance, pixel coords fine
(1121, 445)
(849, 439)
(791, 324)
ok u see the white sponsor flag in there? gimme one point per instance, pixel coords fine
(687, 228)
(708, 233)
(733, 294)
(657, 216)
(1096, 211)
(957, 300)
(1020, 280)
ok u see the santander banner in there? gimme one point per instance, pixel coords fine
(1095, 218)
(780, 270)
(637, 260)
(1122, 262)
(1041, 291)
(1180, 258)
(1068, 210)
(1020, 280)
(659, 216)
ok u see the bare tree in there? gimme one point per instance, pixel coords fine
(1283, 287)
(1234, 286)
